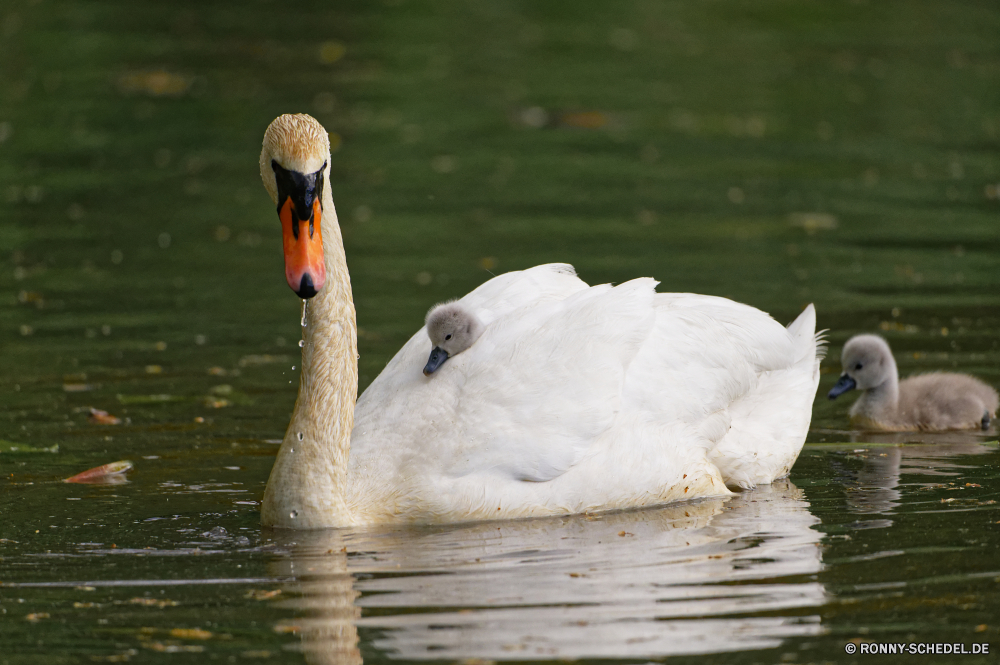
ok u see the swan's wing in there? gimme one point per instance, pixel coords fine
(402, 412)
(558, 364)
(620, 357)
(733, 327)
(545, 381)
(748, 381)
(704, 355)
(524, 402)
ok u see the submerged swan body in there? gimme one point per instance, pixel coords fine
(570, 398)
(927, 402)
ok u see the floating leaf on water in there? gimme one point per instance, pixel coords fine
(37, 616)
(148, 399)
(897, 326)
(813, 221)
(535, 117)
(99, 417)
(30, 296)
(153, 602)
(77, 387)
(216, 402)
(224, 395)
(174, 648)
(584, 119)
(261, 359)
(190, 633)
(11, 447)
(102, 474)
(331, 51)
(157, 83)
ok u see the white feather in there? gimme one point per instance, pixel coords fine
(579, 398)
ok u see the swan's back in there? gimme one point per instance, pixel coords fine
(580, 398)
(749, 383)
(945, 400)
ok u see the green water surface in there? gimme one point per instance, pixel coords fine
(776, 152)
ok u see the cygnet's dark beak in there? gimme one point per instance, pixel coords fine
(845, 384)
(437, 358)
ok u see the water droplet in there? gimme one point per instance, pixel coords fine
(291, 450)
(305, 304)
(302, 343)
(293, 366)
(293, 514)
(301, 436)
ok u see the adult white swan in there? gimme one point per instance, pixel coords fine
(573, 398)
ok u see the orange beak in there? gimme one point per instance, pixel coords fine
(300, 210)
(305, 269)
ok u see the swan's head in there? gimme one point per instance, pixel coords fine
(452, 328)
(295, 165)
(866, 363)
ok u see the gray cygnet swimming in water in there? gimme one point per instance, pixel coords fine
(452, 328)
(927, 402)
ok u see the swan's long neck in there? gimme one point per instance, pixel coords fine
(308, 482)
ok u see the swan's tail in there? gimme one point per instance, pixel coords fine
(770, 424)
(808, 342)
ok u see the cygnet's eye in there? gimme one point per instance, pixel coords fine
(858, 366)
(447, 337)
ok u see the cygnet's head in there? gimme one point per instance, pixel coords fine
(452, 328)
(866, 363)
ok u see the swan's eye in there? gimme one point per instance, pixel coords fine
(447, 337)
(858, 366)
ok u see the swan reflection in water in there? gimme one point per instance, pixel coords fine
(876, 487)
(620, 585)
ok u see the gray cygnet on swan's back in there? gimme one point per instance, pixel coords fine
(452, 328)
(926, 402)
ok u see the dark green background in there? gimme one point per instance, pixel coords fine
(776, 152)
